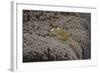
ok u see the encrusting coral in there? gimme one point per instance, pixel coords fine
(55, 36)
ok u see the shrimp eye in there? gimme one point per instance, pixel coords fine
(58, 28)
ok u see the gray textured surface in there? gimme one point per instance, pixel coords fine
(40, 45)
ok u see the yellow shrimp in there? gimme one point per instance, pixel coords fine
(60, 33)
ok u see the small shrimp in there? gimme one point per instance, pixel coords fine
(60, 33)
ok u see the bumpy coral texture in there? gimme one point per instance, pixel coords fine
(55, 36)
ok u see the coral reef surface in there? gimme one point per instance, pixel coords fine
(56, 36)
